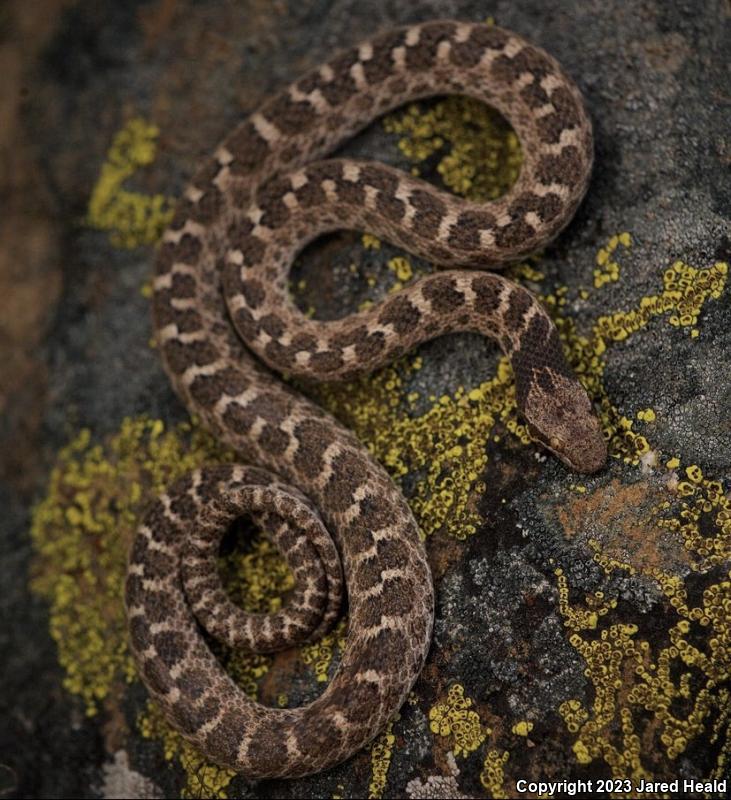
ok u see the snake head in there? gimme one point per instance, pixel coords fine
(561, 418)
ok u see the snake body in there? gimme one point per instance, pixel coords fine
(224, 262)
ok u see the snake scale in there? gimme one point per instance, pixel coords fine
(222, 307)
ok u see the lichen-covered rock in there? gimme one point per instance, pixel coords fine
(583, 626)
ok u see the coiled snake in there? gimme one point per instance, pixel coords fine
(225, 259)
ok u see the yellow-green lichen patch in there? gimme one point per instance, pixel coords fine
(686, 289)
(700, 517)
(649, 699)
(319, 655)
(492, 776)
(81, 533)
(202, 778)
(132, 218)
(607, 268)
(479, 154)
(446, 444)
(381, 755)
(673, 693)
(455, 718)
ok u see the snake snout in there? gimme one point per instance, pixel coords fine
(589, 453)
(565, 423)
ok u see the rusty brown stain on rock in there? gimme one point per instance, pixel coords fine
(623, 520)
(30, 278)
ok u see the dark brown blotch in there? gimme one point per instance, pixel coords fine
(565, 168)
(186, 250)
(380, 66)
(327, 361)
(517, 233)
(225, 738)
(429, 212)
(171, 647)
(290, 116)
(310, 194)
(273, 440)
(465, 233)
(347, 476)
(518, 305)
(238, 418)
(313, 437)
(272, 324)
(180, 356)
(442, 294)
(270, 200)
(487, 292)
(369, 347)
(207, 208)
(423, 54)
(248, 148)
(400, 314)
(481, 38)
(139, 632)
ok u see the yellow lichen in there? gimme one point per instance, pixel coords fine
(522, 728)
(455, 718)
(607, 270)
(371, 242)
(640, 690)
(319, 654)
(480, 154)
(492, 776)
(381, 755)
(132, 218)
(203, 778)
(81, 533)
(686, 290)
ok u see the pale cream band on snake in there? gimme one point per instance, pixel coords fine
(225, 259)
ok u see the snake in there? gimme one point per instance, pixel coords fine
(231, 337)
